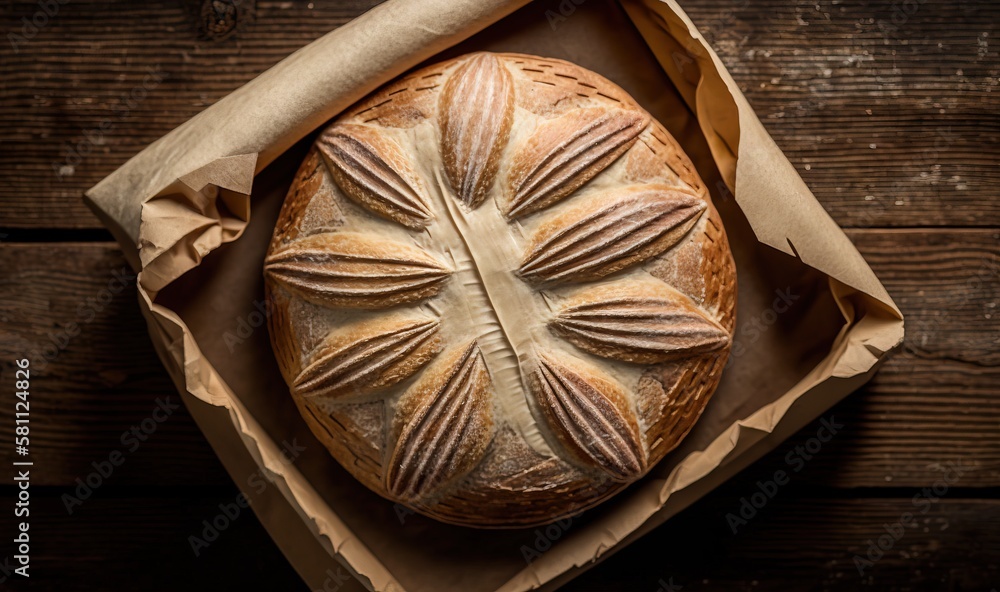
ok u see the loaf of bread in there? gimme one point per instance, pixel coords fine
(500, 291)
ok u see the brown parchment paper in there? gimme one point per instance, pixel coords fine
(181, 209)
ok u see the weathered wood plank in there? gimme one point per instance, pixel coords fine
(813, 74)
(138, 68)
(94, 373)
(947, 283)
(896, 433)
(933, 402)
(889, 110)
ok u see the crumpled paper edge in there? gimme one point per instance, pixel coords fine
(228, 178)
(192, 217)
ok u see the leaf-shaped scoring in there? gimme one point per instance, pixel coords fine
(368, 356)
(371, 168)
(591, 415)
(356, 270)
(444, 425)
(476, 112)
(565, 153)
(640, 322)
(610, 232)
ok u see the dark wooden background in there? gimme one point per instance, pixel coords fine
(889, 109)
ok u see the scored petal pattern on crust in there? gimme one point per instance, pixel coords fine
(371, 169)
(356, 270)
(565, 153)
(638, 322)
(368, 356)
(476, 113)
(610, 232)
(444, 425)
(588, 264)
(590, 414)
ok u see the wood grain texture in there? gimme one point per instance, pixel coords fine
(104, 379)
(915, 416)
(811, 74)
(139, 69)
(888, 109)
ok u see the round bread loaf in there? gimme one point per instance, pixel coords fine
(499, 291)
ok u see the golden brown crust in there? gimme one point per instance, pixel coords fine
(355, 270)
(372, 169)
(591, 415)
(500, 293)
(285, 339)
(476, 112)
(402, 103)
(442, 425)
(308, 181)
(514, 487)
(638, 322)
(719, 271)
(566, 152)
(609, 233)
(341, 430)
(367, 356)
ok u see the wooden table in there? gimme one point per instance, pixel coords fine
(889, 109)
